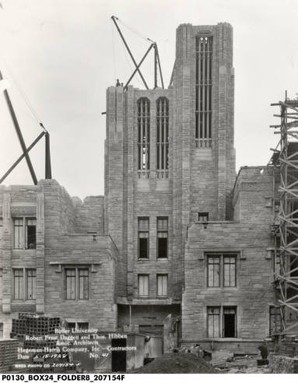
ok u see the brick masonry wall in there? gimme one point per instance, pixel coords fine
(249, 238)
(61, 241)
(89, 215)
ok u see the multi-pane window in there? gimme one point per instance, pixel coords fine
(162, 237)
(143, 237)
(213, 314)
(24, 284)
(143, 123)
(222, 322)
(24, 233)
(162, 137)
(18, 284)
(162, 285)
(31, 284)
(221, 270)
(143, 285)
(83, 283)
(275, 323)
(77, 283)
(229, 271)
(213, 271)
(70, 275)
(203, 105)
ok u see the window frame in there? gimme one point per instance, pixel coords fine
(72, 283)
(145, 276)
(142, 232)
(221, 312)
(162, 137)
(143, 134)
(224, 273)
(21, 233)
(163, 277)
(278, 327)
(159, 231)
(23, 284)
(204, 90)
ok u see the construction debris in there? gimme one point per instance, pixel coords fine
(178, 363)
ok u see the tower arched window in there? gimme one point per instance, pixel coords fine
(143, 122)
(204, 91)
(162, 137)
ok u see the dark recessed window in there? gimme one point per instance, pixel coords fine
(143, 237)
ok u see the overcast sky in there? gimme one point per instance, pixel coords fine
(59, 57)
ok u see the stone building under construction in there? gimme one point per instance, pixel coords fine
(176, 233)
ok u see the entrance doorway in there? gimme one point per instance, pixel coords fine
(118, 357)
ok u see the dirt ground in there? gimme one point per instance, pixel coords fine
(177, 364)
(221, 363)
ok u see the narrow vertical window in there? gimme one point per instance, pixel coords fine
(143, 285)
(18, 284)
(31, 284)
(229, 272)
(30, 233)
(229, 322)
(18, 233)
(162, 137)
(213, 270)
(275, 323)
(70, 283)
(213, 317)
(83, 284)
(203, 105)
(162, 285)
(143, 237)
(143, 122)
(24, 233)
(1, 284)
(162, 237)
(1, 229)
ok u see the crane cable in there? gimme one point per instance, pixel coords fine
(24, 96)
(135, 31)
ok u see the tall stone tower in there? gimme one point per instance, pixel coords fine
(169, 161)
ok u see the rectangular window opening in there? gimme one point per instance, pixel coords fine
(222, 322)
(143, 237)
(162, 285)
(203, 216)
(18, 279)
(162, 139)
(24, 233)
(143, 121)
(31, 284)
(222, 270)
(213, 314)
(77, 283)
(162, 237)
(275, 322)
(203, 103)
(229, 322)
(143, 285)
